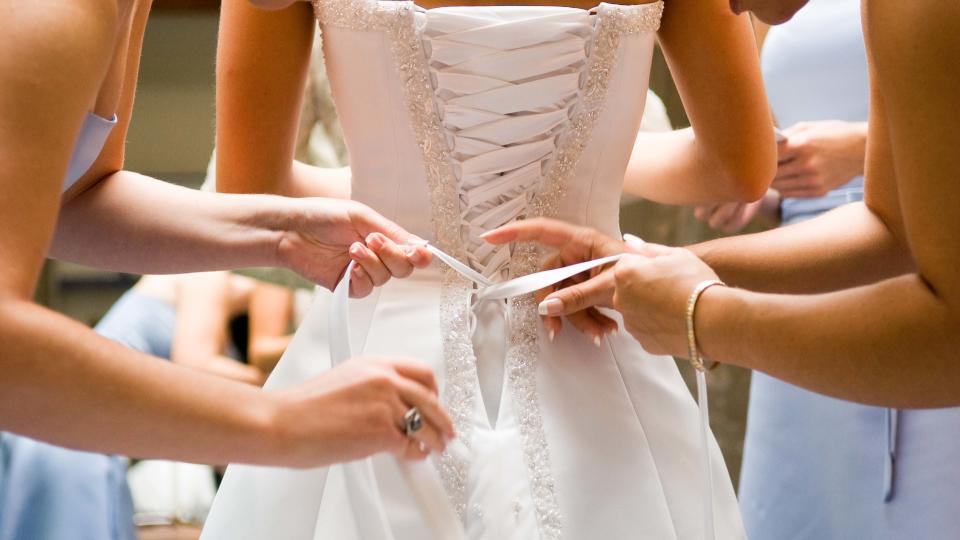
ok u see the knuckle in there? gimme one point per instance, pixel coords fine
(382, 420)
(574, 298)
(623, 272)
(380, 381)
(617, 302)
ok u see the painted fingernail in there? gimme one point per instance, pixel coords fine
(418, 257)
(550, 306)
(632, 240)
(596, 340)
(374, 240)
(551, 334)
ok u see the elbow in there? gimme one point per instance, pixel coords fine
(746, 185)
(747, 177)
(271, 5)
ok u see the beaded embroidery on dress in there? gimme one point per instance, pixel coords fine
(459, 120)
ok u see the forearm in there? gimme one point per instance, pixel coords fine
(673, 168)
(846, 247)
(892, 343)
(307, 181)
(265, 352)
(131, 223)
(64, 384)
(224, 366)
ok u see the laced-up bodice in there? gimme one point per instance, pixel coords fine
(505, 90)
(459, 120)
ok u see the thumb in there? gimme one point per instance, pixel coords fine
(639, 247)
(597, 291)
(368, 221)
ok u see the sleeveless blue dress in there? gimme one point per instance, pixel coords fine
(53, 493)
(815, 467)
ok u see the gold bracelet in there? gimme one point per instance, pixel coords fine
(694, 351)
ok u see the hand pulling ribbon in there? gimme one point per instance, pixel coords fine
(421, 478)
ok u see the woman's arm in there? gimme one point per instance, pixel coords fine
(262, 62)
(894, 342)
(131, 223)
(846, 247)
(200, 335)
(271, 310)
(891, 342)
(728, 154)
(64, 384)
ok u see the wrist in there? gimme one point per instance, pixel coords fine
(858, 137)
(271, 430)
(257, 438)
(694, 354)
(283, 217)
(717, 323)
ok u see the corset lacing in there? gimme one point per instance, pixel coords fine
(504, 89)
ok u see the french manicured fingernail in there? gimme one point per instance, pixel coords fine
(374, 240)
(596, 340)
(356, 250)
(550, 306)
(416, 240)
(417, 257)
(633, 240)
(551, 334)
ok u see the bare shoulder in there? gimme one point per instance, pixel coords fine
(924, 31)
(915, 50)
(58, 27)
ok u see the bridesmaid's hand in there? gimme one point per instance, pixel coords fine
(327, 233)
(357, 409)
(817, 157)
(576, 298)
(651, 293)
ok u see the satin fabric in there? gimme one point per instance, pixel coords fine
(620, 426)
(93, 135)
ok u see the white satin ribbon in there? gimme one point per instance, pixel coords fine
(421, 478)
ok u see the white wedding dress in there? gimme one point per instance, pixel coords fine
(459, 120)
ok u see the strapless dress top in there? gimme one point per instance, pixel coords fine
(93, 135)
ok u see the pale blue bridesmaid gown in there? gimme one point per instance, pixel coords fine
(52, 493)
(814, 467)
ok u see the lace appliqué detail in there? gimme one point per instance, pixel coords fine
(524, 350)
(398, 21)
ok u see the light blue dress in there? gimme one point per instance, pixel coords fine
(52, 493)
(814, 467)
